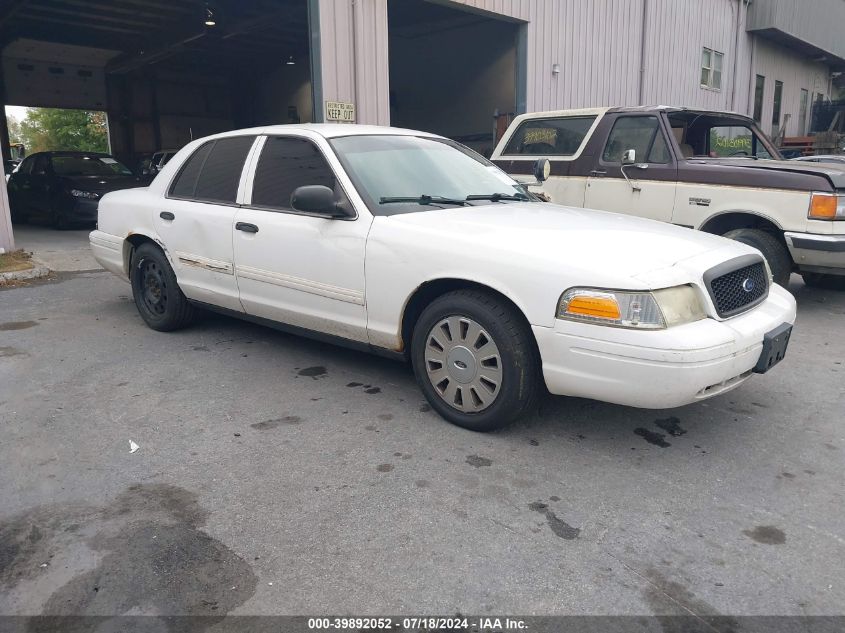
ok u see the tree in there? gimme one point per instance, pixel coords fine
(14, 127)
(46, 129)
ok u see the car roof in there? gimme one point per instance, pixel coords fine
(618, 109)
(69, 153)
(327, 130)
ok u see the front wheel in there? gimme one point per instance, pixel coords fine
(475, 360)
(775, 252)
(157, 295)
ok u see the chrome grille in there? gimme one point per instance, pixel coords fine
(737, 285)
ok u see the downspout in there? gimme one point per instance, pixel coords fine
(739, 7)
(641, 95)
(355, 90)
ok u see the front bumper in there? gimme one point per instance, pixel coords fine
(659, 369)
(820, 253)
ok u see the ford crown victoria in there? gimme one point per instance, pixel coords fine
(410, 245)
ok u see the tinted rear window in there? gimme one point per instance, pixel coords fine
(213, 172)
(550, 137)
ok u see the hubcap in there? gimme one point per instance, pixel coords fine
(463, 364)
(153, 287)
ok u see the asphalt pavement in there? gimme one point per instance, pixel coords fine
(277, 475)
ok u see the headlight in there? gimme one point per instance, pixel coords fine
(78, 193)
(826, 206)
(641, 310)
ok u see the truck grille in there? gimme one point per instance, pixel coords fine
(737, 285)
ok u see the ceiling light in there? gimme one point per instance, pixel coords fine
(209, 16)
(290, 61)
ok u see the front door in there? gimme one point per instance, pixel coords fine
(653, 179)
(300, 269)
(196, 219)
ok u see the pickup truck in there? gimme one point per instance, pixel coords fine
(711, 171)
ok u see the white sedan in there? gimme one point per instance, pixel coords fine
(411, 245)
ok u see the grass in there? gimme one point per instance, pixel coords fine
(15, 261)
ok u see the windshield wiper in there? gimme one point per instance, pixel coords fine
(423, 199)
(496, 197)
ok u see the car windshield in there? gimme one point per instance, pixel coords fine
(89, 166)
(402, 174)
(712, 135)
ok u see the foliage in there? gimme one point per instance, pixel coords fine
(46, 129)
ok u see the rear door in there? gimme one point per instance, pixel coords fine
(195, 220)
(300, 269)
(653, 180)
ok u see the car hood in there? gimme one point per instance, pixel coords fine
(543, 235)
(833, 172)
(101, 184)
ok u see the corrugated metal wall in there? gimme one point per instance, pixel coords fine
(776, 64)
(354, 56)
(598, 45)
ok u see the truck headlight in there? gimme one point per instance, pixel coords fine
(655, 310)
(78, 193)
(826, 206)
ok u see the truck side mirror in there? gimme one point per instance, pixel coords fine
(629, 157)
(542, 169)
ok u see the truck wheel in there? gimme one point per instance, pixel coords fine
(773, 250)
(157, 294)
(827, 282)
(475, 360)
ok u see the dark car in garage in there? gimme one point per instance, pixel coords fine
(64, 188)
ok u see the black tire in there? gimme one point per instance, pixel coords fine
(157, 295)
(499, 322)
(772, 248)
(17, 210)
(58, 213)
(826, 282)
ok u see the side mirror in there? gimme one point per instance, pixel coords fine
(629, 157)
(317, 199)
(542, 169)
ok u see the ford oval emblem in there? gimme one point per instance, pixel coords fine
(748, 285)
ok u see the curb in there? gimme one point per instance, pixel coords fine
(38, 271)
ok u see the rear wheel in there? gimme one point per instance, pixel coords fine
(827, 282)
(771, 247)
(475, 360)
(157, 295)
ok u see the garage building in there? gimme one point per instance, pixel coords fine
(167, 71)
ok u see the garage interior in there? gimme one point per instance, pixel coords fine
(165, 71)
(452, 71)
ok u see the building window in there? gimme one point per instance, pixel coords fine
(776, 108)
(759, 91)
(802, 112)
(711, 69)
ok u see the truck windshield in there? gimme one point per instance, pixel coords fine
(404, 174)
(703, 135)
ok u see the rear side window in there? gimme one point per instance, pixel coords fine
(550, 137)
(285, 164)
(213, 172)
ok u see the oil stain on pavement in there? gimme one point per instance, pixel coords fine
(478, 462)
(16, 325)
(652, 438)
(560, 527)
(314, 372)
(672, 426)
(288, 420)
(766, 534)
(154, 558)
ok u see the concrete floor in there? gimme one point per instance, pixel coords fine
(276, 475)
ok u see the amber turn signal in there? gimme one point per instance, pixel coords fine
(823, 206)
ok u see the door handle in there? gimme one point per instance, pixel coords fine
(166, 215)
(246, 227)
(598, 173)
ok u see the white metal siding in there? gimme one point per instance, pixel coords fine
(778, 64)
(354, 57)
(598, 45)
